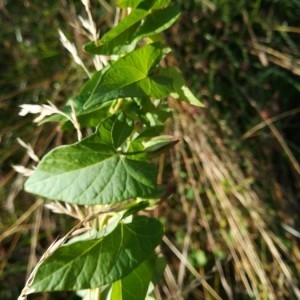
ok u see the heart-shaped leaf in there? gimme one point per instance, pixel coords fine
(94, 262)
(91, 172)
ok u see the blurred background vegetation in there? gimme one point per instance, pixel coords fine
(232, 224)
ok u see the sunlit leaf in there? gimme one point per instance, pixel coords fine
(179, 89)
(159, 143)
(158, 21)
(119, 38)
(129, 3)
(91, 172)
(128, 77)
(150, 3)
(138, 24)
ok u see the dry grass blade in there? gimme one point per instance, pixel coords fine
(231, 214)
(73, 51)
(34, 240)
(278, 58)
(276, 133)
(17, 229)
(26, 215)
(267, 54)
(287, 29)
(284, 146)
(53, 247)
(71, 210)
(188, 265)
(265, 123)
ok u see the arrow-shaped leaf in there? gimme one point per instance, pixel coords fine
(127, 77)
(134, 75)
(95, 262)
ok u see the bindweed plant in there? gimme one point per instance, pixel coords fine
(107, 177)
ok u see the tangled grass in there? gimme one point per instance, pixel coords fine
(232, 225)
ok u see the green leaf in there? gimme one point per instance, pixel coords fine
(154, 4)
(115, 129)
(135, 75)
(143, 148)
(91, 172)
(96, 261)
(159, 269)
(120, 38)
(127, 77)
(159, 144)
(150, 3)
(128, 3)
(135, 285)
(135, 207)
(158, 21)
(140, 282)
(179, 90)
(137, 25)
